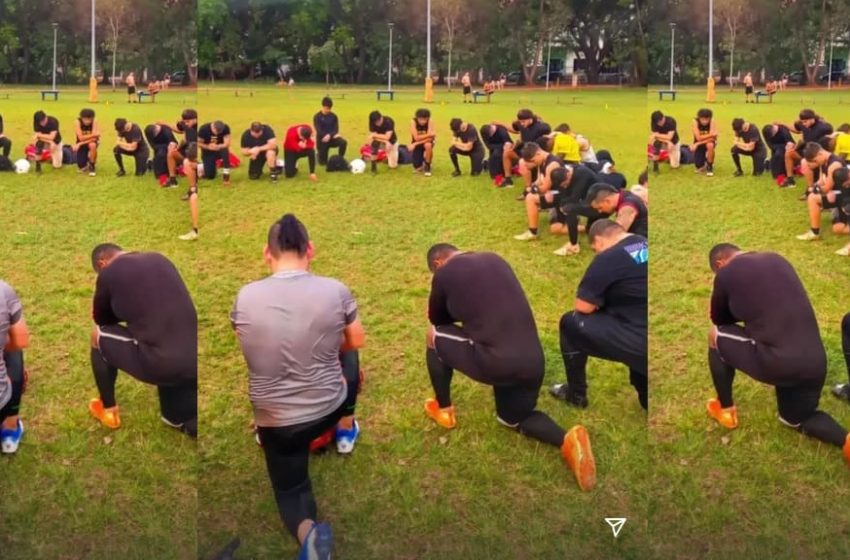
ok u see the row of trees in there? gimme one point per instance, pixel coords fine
(776, 36)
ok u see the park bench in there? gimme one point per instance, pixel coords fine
(382, 92)
(760, 94)
(46, 92)
(663, 92)
(477, 94)
(143, 94)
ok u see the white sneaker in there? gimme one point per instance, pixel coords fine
(568, 250)
(191, 236)
(844, 252)
(526, 236)
(809, 236)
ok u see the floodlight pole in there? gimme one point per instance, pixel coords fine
(549, 60)
(92, 77)
(390, 61)
(428, 44)
(92, 38)
(672, 49)
(829, 70)
(710, 38)
(55, 31)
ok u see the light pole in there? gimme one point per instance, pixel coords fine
(672, 50)
(711, 38)
(390, 62)
(55, 31)
(429, 84)
(829, 69)
(93, 79)
(549, 60)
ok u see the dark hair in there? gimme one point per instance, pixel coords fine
(103, 251)
(374, 116)
(603, 228)
(807, 114)
(485, 132)
(768, 133)
(189, 114)
(529, 150)
(87, 114)
(598, 191)
(256, 126)
(454, 124)
(439, 251)
(737, 124)
(423, 114)
(844, 128)
(840, 176)
(604, 155)
(120, 124)
(150, 130)
(721, 251)
(327, 102)
(191, 151)
(288, 234)
(218, 126)
(524, 114)
(37, 118)
(643, 178)
(655, 117)
(304, 132)
(563, 127)
(811, 151)
(558, 176)
(704, 114)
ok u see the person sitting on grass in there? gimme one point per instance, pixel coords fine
(767, 330)
(497, 139)
(530, 128)
(382, 136)
(190, 169)
(664, 136)
(778, 138)
(292, 327)
(829, 194)
(747, 142)
(146, 326)
(14, 338)
(326, 124)
(298, 144)
(88, 137)
(5, 142)
(628, 208)
(46, 138)
(813, 129)
(161, 139)
(422, 138)
(482, 326)
(465, 142)
(705, 142)
(260, 146)
(842, 390)
(609, 319)
(214, 142)
(131, 143)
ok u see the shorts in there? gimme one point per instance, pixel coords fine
(467, 90)
(749, 90)
(131, 90)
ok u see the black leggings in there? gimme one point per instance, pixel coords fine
(290, 160)
(476, 158)
(140, 155)
(6, 146)
(569, 214)
(759, 155)
(83, 156)
(210, 158)
(15, 370)
(845, 341)
(322, 148)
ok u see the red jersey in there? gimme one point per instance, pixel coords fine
(291, 144)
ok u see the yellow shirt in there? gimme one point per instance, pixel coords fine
(566, 147)
(842, 145)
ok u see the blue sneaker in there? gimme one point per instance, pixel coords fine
(318, 544)
(11, 439)
(345, 439)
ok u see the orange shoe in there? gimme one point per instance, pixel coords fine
(444, 417)
(578, 455)
(108, 417)
(726, 417)
(847, 448)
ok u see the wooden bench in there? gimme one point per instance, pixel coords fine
(382, 92)
(143, 94)
(477, 94)
(53, 92)
(760, 94)
(663, 92)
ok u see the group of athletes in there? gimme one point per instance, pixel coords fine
(763, 322)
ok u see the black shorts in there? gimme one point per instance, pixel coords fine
(467, 90)
(131, 90)
(826, 203)
(749, 90)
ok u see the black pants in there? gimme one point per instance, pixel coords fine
(6, 146)
(290, 160)
(569, 214)
(140, 155)
(15, 370)
(418, 155)
(83, 156)
(210, 158)
(256, 165)
(797, 402)
(476, 159)
(700, 156)
(160, 160)
(777, 160)
(758, 155)
(516, 401)
(845, 341)
(494, 162)
(322, 148)
(603, 336)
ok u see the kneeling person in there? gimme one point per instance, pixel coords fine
(299, 144)
(88, 138)
(260, 145)
(130, 143)
(748, 142)
(466, 142)
(630, 210)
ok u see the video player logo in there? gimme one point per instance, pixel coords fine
(616, 524)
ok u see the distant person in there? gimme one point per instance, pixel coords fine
(161, 139)
(748, 88)
(382, 136)
(130, 81)
(705, 142)
(466, 142)
(813, 129)
(496, 138)
(466, 82)
(628, 208)
(298, 144)
(326, 124)
(747, 142)
(214, 142)
(423, 135)
(146, 326)
(664, 136)
(14, 338)
(259, 145)
(190, 168)
(131, 143)
(46, 138)
(87, 135)
(767, 330)
(5, 142)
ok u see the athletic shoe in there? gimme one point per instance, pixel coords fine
(709, 170)
(374, 167)
(788, 183)
(191, 236)
(526, 236)
(190, 428)
(318, 544)
(738, 173)
(809, 236)
(456, 173)
(567, 250)
(274, 177)
(186, 196)
(11, 439)
(847, 448)
(108, 418)
(842, 391)
(726, 417)
(507, 182)
(427, 169)
(225, 179)
(172, 181)
(345, 439)
(444, 417)
(844, 251)
(562, 392)
(803, 197)
(579, 456)
(120, 173)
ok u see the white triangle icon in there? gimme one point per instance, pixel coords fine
(616, 524)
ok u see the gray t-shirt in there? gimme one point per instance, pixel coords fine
(290, 326)
(10, 313)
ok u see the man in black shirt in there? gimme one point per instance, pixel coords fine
(465, 142)
(146, 325)
(130, 143)
(829, 194)
(748, 143)
(214, 142)
(705, 141)
(5, 143)
(88, 138)
(609, 320)
(813, 129)
(767, 330)
(631, 213)
(535, 167)
(47, 137)
(530, 128)
(188, 127)
(497, 345)
(497, 139)
(260, 145)
(778, 138)
(664, 136)
(423, 135)
(382, 135)
(161, 138)
(326, 124)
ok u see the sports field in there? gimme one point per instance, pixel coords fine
(762, 491)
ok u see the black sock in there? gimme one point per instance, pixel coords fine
(441, 378)
(816, 230)
(533, 230)
(120, 161)
(722, 375)
(104, 378)
(845, 342)
(823, 427)
(641, 384)
(542, 428)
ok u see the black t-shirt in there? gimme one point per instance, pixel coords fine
(52, 124)
(145, 291)
(1, 124)
(534, 131)
(814, 132)
(206, 135)
(702, 128)
(84, 128)
(481, 292)
(668, 126)
(781, 138)
(325, 124)
(163, 139)
(752, 135)
(386, 125)
(582, 179)
(470, 135)
(249, 141)
(615, 179)
(499, 137)
(190, 132)
(762, 291)
(134, 135)
(616, 281)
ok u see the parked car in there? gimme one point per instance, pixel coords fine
(514, 78)
(837, 76)
(554, 76)
(797, 78)
(179, 78)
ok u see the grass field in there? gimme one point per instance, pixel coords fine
(762, 491)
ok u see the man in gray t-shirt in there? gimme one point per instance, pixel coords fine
(14, 337)
(11, 313)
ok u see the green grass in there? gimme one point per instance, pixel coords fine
(762, 491)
